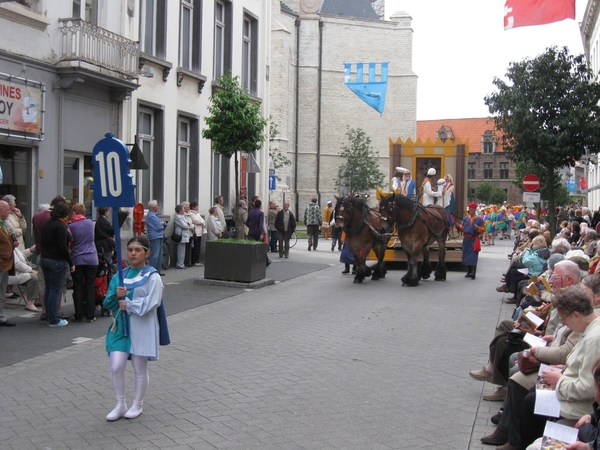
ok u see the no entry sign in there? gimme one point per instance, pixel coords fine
(531, 182)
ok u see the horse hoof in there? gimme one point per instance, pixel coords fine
(440, 279)
(425, 277)
(357, 281)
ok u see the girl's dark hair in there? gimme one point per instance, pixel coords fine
(142, 240)
(102, 211)
(60, 210)
(193, 204)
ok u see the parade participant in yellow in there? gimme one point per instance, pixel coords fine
(327, 216)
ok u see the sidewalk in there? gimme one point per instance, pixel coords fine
(314, 362)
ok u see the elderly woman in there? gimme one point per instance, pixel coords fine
(590, 242)
(26, 277)
(214, 227)
(574, 385)
(182, 227)
(85, 259)
(15, 221)
(532, 259)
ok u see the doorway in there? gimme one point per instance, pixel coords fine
(78, 176)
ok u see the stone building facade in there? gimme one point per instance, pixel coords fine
(310, 102)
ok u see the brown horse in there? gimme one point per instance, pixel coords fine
(418, 227)
(365, 230)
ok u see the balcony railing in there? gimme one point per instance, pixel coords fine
(83, 41)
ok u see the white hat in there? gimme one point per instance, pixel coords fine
(441, 181)
(329, 202)
(431, 171)
(401, 169)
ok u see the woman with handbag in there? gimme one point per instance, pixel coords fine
(182, 235)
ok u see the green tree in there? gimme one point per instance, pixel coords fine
(234, 122)
(483, 192)
(278, 159)
(548, 114)
(361, 172)
(498, 196)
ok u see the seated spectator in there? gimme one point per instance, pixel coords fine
(575, 233)
(531, 264)
(560, 345)
(26, 277)
(566, 273)
(574, 386)
(590, 242)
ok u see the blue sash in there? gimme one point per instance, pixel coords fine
(140, 279)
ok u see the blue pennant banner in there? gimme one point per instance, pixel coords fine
(372, 91)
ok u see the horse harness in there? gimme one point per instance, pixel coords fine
(416, 208)
(363, 220)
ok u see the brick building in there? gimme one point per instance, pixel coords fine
(487, 161)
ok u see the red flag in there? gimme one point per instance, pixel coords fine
(522, 13)
(582, 183)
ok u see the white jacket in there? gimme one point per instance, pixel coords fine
(22, 269)
(429, 194)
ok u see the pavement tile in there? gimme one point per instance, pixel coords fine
(312, 362)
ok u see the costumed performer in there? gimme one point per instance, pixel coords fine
(472, 226)
(397, 180)
(141, 305)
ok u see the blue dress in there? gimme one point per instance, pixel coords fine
(471, 235)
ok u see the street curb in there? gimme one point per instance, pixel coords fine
(235, 284)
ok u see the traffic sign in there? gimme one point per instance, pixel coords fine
(531, 197)
(272, 182)
(531, 182)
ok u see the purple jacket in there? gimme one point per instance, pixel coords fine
(256, 223)
(83, 251)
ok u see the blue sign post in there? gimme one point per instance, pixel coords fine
(272, 180)
(113, 187)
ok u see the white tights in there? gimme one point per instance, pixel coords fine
(118, 361)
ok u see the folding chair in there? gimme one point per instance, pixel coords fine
(21, 301)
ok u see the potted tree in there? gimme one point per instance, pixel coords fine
(234, 124)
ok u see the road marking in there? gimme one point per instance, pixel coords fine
(81, 340)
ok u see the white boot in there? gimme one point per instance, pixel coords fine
(118, 412)
(135, 410)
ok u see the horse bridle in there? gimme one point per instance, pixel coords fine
(413, 217)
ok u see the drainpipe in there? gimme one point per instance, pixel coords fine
(297, 202)
(318, 183)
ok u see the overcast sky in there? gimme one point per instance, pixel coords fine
(459, 46)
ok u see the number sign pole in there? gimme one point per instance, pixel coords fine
(113, 187)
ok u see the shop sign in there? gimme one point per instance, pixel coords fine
(21, 107)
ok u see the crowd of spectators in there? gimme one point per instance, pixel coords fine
(554, 279)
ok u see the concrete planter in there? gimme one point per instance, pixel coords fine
(232, 261)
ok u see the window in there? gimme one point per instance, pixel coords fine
(488, 141)
(250, 54)
(222, 50)
(153, 19)
(86, 10)
(220, 186)
(504, 170)
(190, 35)
(183, 161)
(186, 29)
(150, 182)
(487, 170)
(471, 174)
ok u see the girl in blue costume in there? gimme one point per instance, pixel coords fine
(141, 297)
